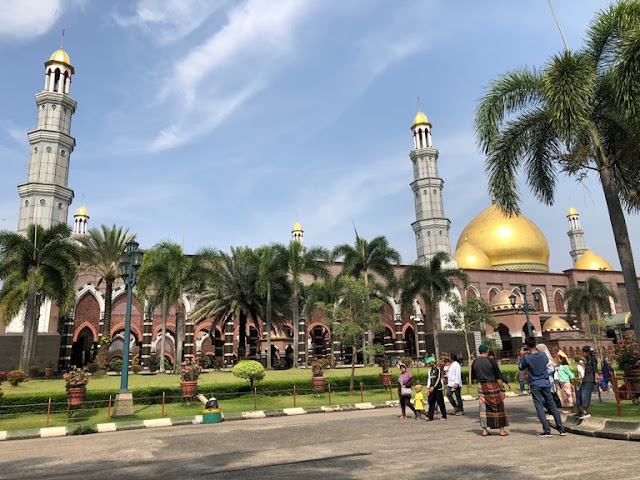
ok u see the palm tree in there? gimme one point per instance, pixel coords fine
(432, 282)
(101, 252)
(235, 294)
(300, 261)
(41, 264)
(589, 302)
(577, 115)
(326, 292)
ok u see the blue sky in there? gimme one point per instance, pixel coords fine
(218, 123)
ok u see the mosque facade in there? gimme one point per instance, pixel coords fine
(504, 257)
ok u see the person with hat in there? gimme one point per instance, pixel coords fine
(565, 377)
(435, 387)
(490, 392)
(405, 380)
(588, 385)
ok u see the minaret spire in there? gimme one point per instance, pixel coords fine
(576, 235)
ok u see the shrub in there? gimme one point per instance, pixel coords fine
(249, 370)
(189, 371)
(318, 365)
(136, 369)
(208, 362)
(627, 355)
(92, 368)
(168, 364)
(117, 368)
(218, 363)
(115, 364)
(76, 378)
(154, 359)
(34, 370)
(16, 377)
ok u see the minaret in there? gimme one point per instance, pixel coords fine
(576, 235)
(81, 222)
(297, 234)
(45, 197)
(431, 226)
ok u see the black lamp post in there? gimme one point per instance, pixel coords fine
(129, 266)
(525, 307)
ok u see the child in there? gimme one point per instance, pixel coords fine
(419, 402)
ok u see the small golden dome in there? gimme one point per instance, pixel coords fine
(470, 257)
(502, 301)
(420, 119)
(82, 212)
(592, 261)
(60, 56)
(511, 243)
(297, 228)
(572, 211)
(555, 324)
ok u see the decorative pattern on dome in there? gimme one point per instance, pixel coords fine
(555, 324)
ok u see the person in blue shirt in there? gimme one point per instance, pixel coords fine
(535, 362)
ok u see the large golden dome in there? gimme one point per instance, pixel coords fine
(511, 243)
(592, 261)
(470, 257)
(555, 324)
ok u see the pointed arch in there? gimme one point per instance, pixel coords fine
(91, 290)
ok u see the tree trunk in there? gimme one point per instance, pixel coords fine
(163, 348)
(179, 336)
(29, 320)
(242, 336)
(269, 366)
(106, 323)
(434, 324)
(34, 333)
(296, 319)
(353, 368)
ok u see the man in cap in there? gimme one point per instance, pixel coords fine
(490, 392)
(583, 397)
(435, 387)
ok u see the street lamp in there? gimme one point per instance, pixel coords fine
(525, 307)
(132, 259)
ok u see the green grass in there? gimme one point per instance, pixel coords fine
(610, 410)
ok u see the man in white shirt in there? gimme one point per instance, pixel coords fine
(454, 384)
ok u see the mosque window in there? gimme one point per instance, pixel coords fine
(440, 232)
(43, 201)
(26, 203)
(435, 192)
(48, 149)
(492, 293)
(471, 292)
(56, 80)
(428, 234)
(63, 152)
(559, 301)
(35, 149)
(59, 206)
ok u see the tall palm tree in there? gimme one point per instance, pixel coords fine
(235, 294)
(325, 292)
(432, 282)
(41, 264)
(300, 261)
(101, 252)
(577, 115)
(589, 302)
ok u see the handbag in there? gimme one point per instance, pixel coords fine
(405, 391)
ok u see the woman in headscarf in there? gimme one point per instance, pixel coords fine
(405, 380)
(565, 377)
(551, 368)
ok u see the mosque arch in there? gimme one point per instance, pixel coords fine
(91, 290)
(542, 305)
(505, 337)
(84, 348)
(472, 291)
(493, 291)
(558, 300)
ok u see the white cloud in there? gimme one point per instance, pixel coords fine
(28, 18)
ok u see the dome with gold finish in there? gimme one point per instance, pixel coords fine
(420, 119)
(502, 301)
(510, 243)
(297, 228)
(81, 212)
(470, 257)
(572, 211)
(592, 261)
(555, 324)
(60, 56)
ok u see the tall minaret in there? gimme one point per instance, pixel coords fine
(576, 235)
(431, 226)
(45, 197)
(297, 234)
(80, 223)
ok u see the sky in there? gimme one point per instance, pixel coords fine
(219, 123)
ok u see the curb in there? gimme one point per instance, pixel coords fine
(195, 420)
(603, 427)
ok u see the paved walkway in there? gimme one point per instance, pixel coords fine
(350, 445)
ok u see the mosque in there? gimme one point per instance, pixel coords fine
(506, 260)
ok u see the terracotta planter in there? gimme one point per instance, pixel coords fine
(385, 379)
(75, 396)
(318, 383)
(189, 389)
(632, 379)
(48, 372)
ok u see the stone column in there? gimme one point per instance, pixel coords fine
(228, 342)
(399, 341)
(189, 351)
(421, 348)
(302, 340)
(66, 341)
(147, 333)
(101, 326)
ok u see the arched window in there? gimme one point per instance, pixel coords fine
(492, 294)
(559, 302)
(471, 292)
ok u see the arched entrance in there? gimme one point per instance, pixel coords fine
(320, 341)
(505, 338)
(84, 348)
(385, 339)
(410, 342)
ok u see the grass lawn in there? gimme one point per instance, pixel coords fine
(610, 410)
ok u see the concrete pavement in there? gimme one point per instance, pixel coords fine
(350, 445)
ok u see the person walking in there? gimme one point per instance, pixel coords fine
(551, 369)
(435, 388)
(565, 377)
(583, 397)
(454, 385)
(418, 400)
(490, 393)
(405, 380)
(540, 387)
(606, 374)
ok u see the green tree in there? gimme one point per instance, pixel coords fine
(328, 292)
(432, 282)
(590, 303)
(356, 313)
(473, 315)
(577, 115)
(43, 263)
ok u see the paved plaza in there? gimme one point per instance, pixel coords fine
(350, 445)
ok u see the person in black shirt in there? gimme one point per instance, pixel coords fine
(490, 392)
(588, 381)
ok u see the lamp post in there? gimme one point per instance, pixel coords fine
(132, 259)
(525, 307)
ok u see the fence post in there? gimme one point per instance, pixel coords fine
(109, 410)
(162, 415)
(255, 398)
(294, 396)
(361, 394)
(48, 411)
(616, 393)
(391, 392)
(329, 394)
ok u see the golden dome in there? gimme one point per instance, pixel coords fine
(297, 228)
(60, 56)
(502, 301)
(420, 119)
(470, 257)
(572, 211)
(82, 212)
(592, 261)
(511, 243)
(555, 324)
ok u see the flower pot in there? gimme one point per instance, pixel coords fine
(48, 372)
(632, 379)
(153, 368)
(75, 396)
(385, 379)
(318, 383)
(189, 389)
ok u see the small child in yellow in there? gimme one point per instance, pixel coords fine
(419, 402)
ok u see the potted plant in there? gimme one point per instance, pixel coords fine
(48, 371)
(318, 365)
(627, 356)
(154, 361)
(75, 382)
(189, 373)
(34, 370)
(385, 375)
